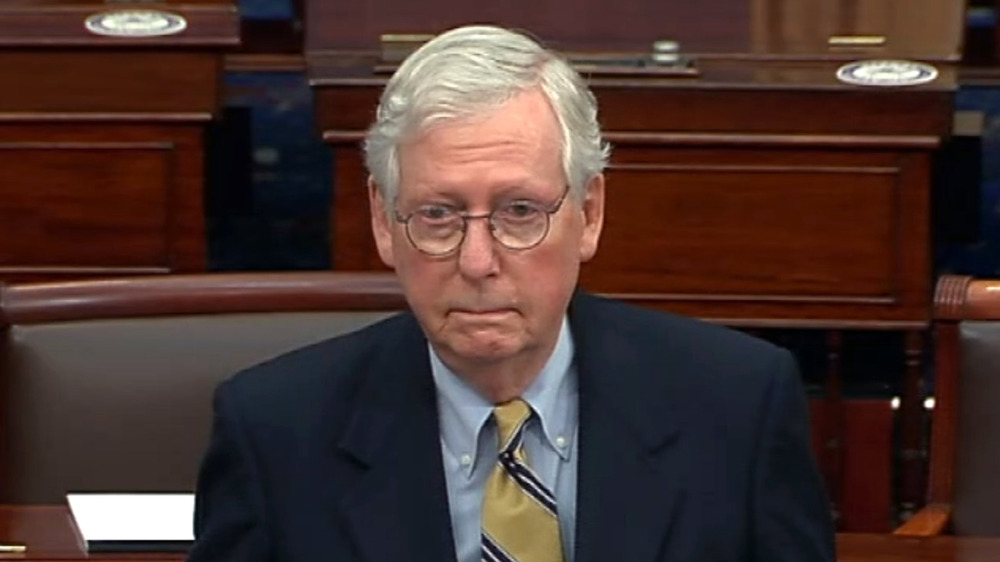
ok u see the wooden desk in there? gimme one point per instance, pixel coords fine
(101, 139)
(50, 534)
(887, 548)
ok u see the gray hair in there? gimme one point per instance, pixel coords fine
(469, 71)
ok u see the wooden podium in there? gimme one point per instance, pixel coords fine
(757, 190)
(101, 136)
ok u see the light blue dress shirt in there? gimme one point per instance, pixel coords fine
(469, 444)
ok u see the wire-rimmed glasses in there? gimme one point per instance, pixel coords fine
(438, 230)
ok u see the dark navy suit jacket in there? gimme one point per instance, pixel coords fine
(694, 447)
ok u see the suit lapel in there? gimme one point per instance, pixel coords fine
(629, 462)
(398, 509)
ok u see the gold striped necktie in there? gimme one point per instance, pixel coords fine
(520, 521)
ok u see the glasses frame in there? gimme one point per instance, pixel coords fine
(466, 217)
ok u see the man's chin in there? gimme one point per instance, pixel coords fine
(484, 348)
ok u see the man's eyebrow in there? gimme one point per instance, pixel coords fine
(519, 190)
(435, 196)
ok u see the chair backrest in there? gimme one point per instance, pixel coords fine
(107, 384)
(965, 446)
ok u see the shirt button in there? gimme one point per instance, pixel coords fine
(561, 442)
(466, 460)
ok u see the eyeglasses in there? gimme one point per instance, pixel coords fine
(438, 230)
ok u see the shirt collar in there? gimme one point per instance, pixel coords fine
(463, 412)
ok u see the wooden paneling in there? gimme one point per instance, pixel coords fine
(865, 457)
(810, 231)
(101, 140)
(78, 200)
(48, 218)
(928, 29)
(916, 28)
(797, 99)
(767, 233)
(156, 85)
(351, 243)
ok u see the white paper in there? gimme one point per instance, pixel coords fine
(133, 517)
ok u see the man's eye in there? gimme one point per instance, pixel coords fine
(519, 210)
(435, 213)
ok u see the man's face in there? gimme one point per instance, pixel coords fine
(485, 303)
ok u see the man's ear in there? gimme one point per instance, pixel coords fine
(593, 217)
(381, 227)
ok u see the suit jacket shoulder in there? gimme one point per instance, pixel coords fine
(677, 346)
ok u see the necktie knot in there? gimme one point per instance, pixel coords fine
(510, 416)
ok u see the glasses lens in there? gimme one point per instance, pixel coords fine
(434, 237)
(520, 226)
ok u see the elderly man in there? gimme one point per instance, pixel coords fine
(508, 415)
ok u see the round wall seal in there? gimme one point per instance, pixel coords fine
(886, 73)
(135, 23)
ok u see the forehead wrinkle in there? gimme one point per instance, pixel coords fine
(493, 151)
(472, 152)
(507, 161)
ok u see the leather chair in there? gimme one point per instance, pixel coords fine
(963, 494)
(107, 384)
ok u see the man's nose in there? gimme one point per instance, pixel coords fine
(477, 256)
